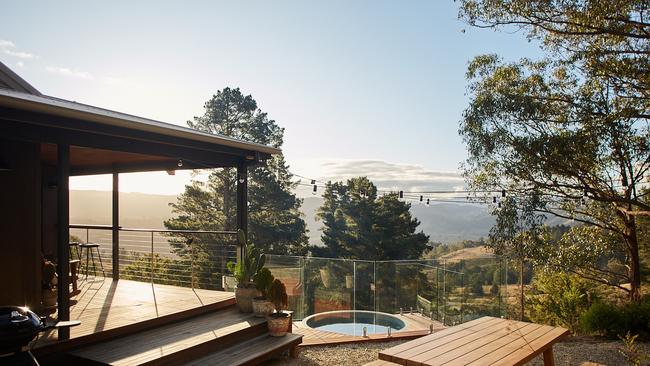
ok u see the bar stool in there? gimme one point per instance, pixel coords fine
(90, 256)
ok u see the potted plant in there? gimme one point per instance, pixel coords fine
(244, 271)
(48, 282)
(278, 322)
(262, 306)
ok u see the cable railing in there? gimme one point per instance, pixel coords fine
(186, 258)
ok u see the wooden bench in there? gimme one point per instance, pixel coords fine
(484, 341)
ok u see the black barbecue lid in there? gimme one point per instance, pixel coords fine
(18, 321)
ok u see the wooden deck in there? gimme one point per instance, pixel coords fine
(416, 326)
(103, 304)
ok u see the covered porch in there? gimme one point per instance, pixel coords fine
(46, 140)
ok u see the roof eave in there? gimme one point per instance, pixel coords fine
(69, 109)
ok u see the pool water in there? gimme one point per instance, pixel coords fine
(352, 322)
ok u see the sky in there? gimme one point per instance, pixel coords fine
(362, 88)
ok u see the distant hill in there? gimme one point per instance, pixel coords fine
(469, 253)
(446, 223)
(137, 210)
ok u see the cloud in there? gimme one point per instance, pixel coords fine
(393, 176)
(69, 72)
(20, 64)
(8, 48)
(19, 54)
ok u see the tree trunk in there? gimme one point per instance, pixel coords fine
(521, 288)
(635, 267)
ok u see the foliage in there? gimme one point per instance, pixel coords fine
(602, 318)
(631, 351)
(494, 290)
(571, 127)
(560, 299)
(251, 263)
(278, 295)
(476, 285)
(611, 320)
(275, 224)
(263, 280)
(360, 225)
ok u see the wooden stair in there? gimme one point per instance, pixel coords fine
(251, 352)
(227, 333)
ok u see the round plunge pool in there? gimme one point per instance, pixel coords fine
(352, 322)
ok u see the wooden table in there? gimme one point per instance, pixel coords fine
(484, 341)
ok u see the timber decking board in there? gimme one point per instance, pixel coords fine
(251, 351)
(485, 341)
(151, 345)
(414, 348)
(103, 304)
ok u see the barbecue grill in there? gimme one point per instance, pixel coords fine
(18, 327)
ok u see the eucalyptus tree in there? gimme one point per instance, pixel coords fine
(572, 128)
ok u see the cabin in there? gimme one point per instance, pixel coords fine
(45, 140)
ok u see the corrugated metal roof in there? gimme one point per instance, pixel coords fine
(65, 108)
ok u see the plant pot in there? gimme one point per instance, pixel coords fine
(262, 307)
(349, 281)
(325, 277)
(244, 297)
(278, 324)
(49, 298)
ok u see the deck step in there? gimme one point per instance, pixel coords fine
(125, 330)
(178, 342)
(251, 352)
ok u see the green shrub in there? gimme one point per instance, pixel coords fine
(603, 319)
(559, 299)
(615, 321)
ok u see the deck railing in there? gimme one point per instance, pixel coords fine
(187, 258)
(450, 291)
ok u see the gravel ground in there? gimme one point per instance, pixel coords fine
(573, 351)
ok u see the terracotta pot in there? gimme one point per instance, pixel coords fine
(49, 298)
(325, 277)
(262, 307)
(278, 325)
(244, 297)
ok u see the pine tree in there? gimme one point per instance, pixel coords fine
(360, 225)
(275, 225)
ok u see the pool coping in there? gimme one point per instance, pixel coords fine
(416, 326)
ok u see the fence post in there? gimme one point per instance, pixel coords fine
(192, 263)
(152, 265)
